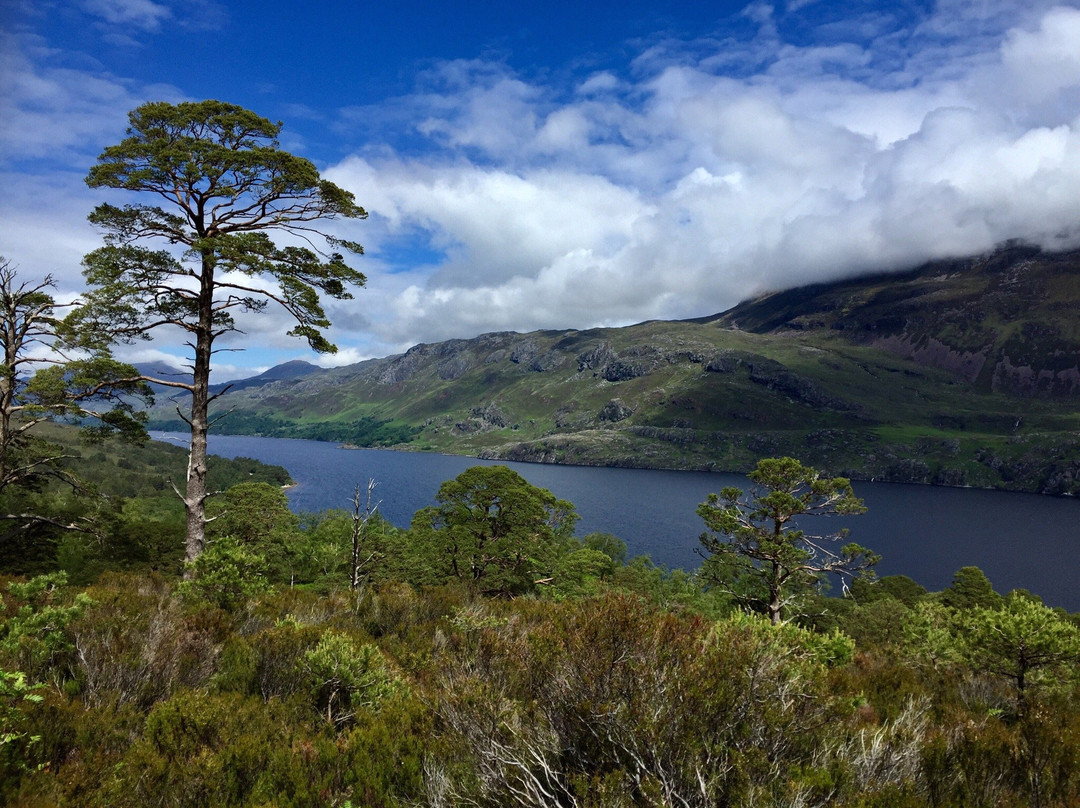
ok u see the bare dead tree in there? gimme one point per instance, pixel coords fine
(39, 382)
(363, 512)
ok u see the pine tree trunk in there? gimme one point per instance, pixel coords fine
(774, 591)
(774, 610)
(196, 492)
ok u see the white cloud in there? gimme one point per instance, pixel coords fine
(53, 112)
(344, 356)
(1045, 62)
(143, 14)
(694, 189)
(703, 172)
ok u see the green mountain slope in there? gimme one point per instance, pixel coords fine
(1007, 322)
(957, 373)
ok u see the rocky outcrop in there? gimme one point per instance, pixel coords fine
(614, 411)
(405, 366)
(605, 363)
(929, 351)
(454, 367)
(484, 419)
(723, 363)
(596, 358)
(1024, 380)
(621, 371)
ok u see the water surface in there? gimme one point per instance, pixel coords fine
(1018, 540)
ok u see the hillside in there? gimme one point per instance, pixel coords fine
(957, 373)
(137, 484)
(1007, 322)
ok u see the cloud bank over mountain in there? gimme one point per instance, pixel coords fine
(791, 143)
(723, 169)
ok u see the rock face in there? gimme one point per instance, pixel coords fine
(965, 364)
(596, 358)
(404, 367)
(615, 410)
(723, 363)
(484, 419)
(631, 363)
(775, 376)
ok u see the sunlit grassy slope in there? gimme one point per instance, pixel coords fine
(960, 373)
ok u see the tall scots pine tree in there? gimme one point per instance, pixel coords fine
(221, 189)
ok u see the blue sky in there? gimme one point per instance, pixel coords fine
(572, 165)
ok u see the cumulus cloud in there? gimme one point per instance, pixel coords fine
(692, 187)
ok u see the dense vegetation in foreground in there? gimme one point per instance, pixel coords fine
(962, 372)
(528, 667)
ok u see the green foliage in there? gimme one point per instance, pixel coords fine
(323, 551)
(585, 700)
(757, 551)
(898, 587)
(148, 470)
(346, 677)
(971, 589)
(94, 389)
(494, 531)
(610, 545)
(359, 432)
(15, 742)
(138, 521)
(201, 749)
(930, 635)
(670, 588)
(35, 636)
(227, 575)
(610, 696)
(1021, 641)
(257, 516)
(78, 389)
(877, 623)
(239, 185)
(279, 650)
(139, 643)
(581, 572)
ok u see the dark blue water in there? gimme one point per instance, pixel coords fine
(1018, 540)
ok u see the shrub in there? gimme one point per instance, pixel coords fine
(15, 741)
(35, 636)
(200, 749)
(347, 676)
(227, 574)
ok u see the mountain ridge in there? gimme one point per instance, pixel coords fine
(964, 372)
